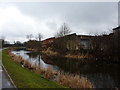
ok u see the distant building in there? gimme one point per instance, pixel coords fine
(116, 32)
(75, 42)
(70, 42)
(47, 42)
(85, 41)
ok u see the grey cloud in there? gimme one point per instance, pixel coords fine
(82, 17)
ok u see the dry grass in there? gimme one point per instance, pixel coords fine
(31, 49)
(17, 59)
(49, 52)
(38, 71)
(49, 73)
(20, 60)
(78, 56)
(27, 64)
(74, 81)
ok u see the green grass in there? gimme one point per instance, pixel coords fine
(24, 78)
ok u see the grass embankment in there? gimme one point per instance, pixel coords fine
(24, 78)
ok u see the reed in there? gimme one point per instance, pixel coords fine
(78, 56)
(49, 73)
(17, 59)
(74, 81)
(27, 64)
(49, 52)
(38, 71)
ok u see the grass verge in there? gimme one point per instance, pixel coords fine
(23, 78)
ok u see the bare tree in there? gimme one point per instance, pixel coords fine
(39, 36)
(29, 37)
(64, 30)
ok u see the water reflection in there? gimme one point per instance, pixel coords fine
(103, 80)
(35, 59)
(102, 76)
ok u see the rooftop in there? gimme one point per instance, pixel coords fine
(116, 28)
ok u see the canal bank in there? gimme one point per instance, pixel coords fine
(23, 78)
(68, 80)
(102, 76)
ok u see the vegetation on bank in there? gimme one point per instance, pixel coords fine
(68, 80)
(23, 78)
(50, 52)
(78, 56)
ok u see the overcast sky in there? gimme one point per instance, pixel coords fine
(22, 18)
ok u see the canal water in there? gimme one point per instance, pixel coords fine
(101, 76)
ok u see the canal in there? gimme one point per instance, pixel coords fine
(101, 76)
